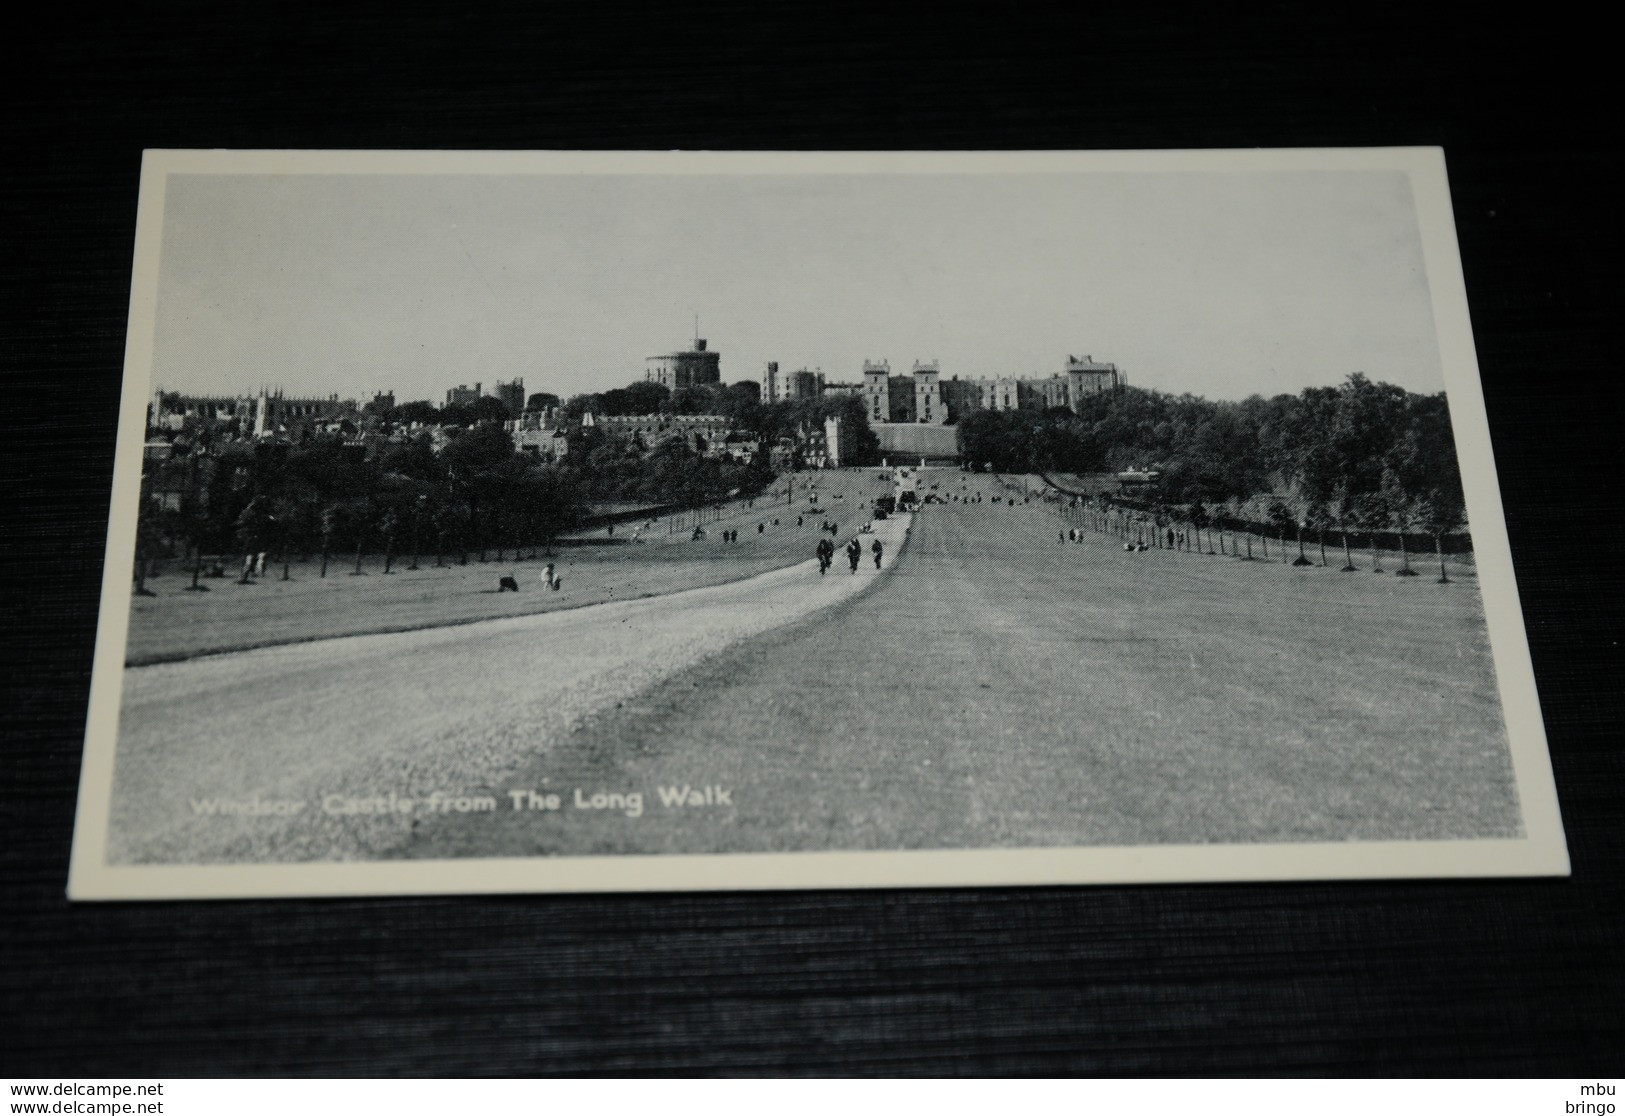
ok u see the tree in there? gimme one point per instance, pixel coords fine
(578, 405)
(253, 528)
(644, 397)
(696, 399)
(287, 511)
(1370, 512)
(419, 411)
(1317, 515)
(488, 408)
(447, 518)
(1423, 464)
(330, 526)
(1281, 517)
(1199, 518)
(147, 534)
(358, 514)
(388, 524)
(1342, 510)
(1402, 504)
(541, 401)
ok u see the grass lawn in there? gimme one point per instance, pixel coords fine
(179, 624)
(1002, 689)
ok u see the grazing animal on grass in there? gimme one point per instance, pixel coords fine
(507, 583)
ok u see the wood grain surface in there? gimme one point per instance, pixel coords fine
(1505, 977)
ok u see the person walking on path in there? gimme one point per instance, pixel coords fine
(854, 553)
(877, 550)
(826, 555)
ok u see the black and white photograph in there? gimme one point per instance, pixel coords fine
(560, 522)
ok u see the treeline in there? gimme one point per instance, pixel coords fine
(1362, 454)
(478, 494)
(336, 493)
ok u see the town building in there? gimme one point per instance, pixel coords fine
(770, 382)
(1002, 393)
(511, 395)
(959, 397)
(541, 433)
(741, 448)
(463, 396)
(267, 414)
(927, 406)
(804, 384)
(1087, 377)
(548, 445)
(876, 390)
(832, 442)
(705, 434)
(924, 398)
(1056, 391)
(686, 368)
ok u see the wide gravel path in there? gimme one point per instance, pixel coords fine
(447, 710)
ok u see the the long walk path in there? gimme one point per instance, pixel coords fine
(293, 752)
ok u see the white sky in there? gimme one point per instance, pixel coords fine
(1219, 284)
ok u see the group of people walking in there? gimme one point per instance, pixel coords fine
(825, 553)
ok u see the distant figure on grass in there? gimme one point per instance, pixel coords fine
(854, 553)
(826, 555)
(876, 549)
(699, 533)
(507, 583)
(760, 527)
(548, 577)
(798, 521)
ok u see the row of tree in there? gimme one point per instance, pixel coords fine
(477, 494)
(1363, 454)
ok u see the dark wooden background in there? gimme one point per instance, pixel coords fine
(1504, 977)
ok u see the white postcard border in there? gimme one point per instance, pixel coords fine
(1540, 852)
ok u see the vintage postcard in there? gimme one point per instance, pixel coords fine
(624, 521)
